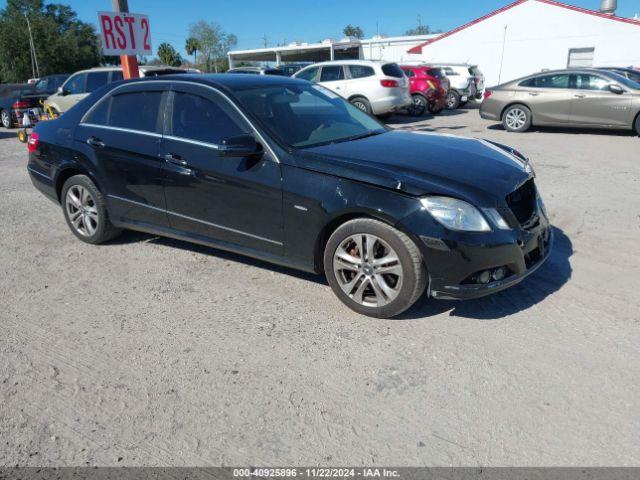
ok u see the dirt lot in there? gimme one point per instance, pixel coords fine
(150, 351)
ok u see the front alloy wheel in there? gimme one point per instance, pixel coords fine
(368, 270)
(373, 268)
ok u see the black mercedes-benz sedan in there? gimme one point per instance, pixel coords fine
(286, 171)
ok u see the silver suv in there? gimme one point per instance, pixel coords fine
(376, 87)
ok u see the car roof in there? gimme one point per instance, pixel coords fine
(351, 62)
(144, 68)
(228, 81)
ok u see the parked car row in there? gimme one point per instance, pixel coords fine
(380, 88)
(59, 93)
(583, 98)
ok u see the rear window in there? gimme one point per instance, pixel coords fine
(361, 71)
(331, 73)
(475, 71)
(137, 111)
(392, 70)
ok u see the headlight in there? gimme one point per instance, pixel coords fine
(497, 219)
(455, 214)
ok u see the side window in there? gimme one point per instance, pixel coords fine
(198, 118)
(137, 110)
(408, 73)
(100, 114)
(75, 84)
(547, 81)
(96, 80)
(116, 76)
(332, 73)
(308, 74)
(591, 82)
(361, 71)
(450, 72)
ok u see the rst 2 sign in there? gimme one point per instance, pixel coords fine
(124, 33)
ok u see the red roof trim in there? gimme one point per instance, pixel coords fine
(418, 48)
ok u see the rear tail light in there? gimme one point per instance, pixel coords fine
(487, 93)
(388, 83)
(34, 140)
(20, 104)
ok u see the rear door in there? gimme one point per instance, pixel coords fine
(359, 80)
(548, 96)
(121, 137)
(595, 104)
(237, 200)
(333, 77)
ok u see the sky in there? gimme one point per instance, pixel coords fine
(304, 20)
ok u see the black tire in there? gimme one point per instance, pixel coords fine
(361, 103)
(5, 119)
(453, 100)
(637, 124)
(104, 230)
(418, 106)
(413, 272)
(516, 118)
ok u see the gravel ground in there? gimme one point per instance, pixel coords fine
(150, 351)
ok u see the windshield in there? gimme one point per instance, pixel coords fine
(624, 80)
(303, 116)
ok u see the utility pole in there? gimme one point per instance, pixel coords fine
(265, 40)
(129, 62)
(35, 70)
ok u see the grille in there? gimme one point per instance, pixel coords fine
(522, 202)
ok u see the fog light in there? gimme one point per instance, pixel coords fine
(499, 273)
(484, 277)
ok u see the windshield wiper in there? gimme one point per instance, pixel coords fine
(370, 133)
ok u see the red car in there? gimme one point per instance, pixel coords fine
(428, 86)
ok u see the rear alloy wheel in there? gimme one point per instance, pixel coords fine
(85, 211)
(5, 119)
(516, 118)
(374, 268)
(453, 100)
(361, 103)
(418, 105)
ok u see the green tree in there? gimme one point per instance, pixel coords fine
(351, 31)
(168, 55)
(191, 47)
(214, 44)
(63, 43)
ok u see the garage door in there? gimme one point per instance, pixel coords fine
(580, 57)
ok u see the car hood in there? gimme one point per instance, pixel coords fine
(420, 163)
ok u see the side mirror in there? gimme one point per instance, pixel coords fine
(615, 88)
(239, 146)
(61, 91)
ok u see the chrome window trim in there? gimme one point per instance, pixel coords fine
(194, 142)
(215, 225)
(120, 129)
(183, 82)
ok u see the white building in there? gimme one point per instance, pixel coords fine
(386, 48)
(532, 35)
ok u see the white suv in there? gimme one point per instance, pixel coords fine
(376, 87)
(467, 83)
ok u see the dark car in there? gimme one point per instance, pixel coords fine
(286, 171)
(15, 99)
(630, 73)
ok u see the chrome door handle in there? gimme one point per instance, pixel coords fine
(534, 94)
(95, 142)
(175, 159)
(579, 95)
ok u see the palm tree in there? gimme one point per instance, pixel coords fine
(192, 46)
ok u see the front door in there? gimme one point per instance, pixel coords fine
(236, 200)
(121, 138)
(595, 104)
